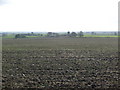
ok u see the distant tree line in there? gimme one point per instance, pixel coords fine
(51, 34)
(72, 34)
(68, 34)
(28, 34)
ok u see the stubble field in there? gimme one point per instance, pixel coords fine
(59, 63)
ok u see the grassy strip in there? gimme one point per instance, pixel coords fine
(32, 36)
(101, 36)
(9, 36)
(13, 36)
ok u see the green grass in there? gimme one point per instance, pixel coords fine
(101, 36)
(32, 36)
(9, 36)
(13, 36)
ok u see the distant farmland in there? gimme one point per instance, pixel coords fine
(63, 62)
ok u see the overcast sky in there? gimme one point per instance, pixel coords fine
(58, 15)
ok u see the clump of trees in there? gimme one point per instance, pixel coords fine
(115, 33)
(20, 36)
(68, 33)
(81, 34)
(93, 33)
(74, 34)
(51, 34)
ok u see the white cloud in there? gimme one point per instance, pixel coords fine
(3, 2)
(59, 15)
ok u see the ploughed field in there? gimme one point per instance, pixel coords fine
(60, 63)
